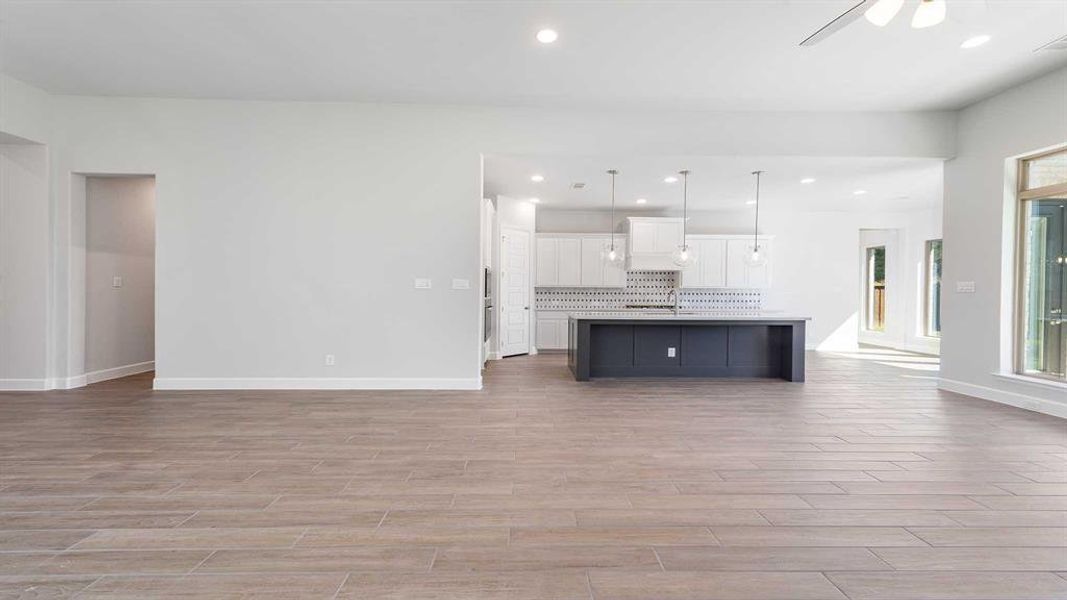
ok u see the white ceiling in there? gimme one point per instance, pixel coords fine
(716, 54)
(719, 182)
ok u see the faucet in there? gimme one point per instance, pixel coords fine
(673, 295)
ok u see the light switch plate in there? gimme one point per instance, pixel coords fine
(461, 284)
(423, 284)
(964, 287)
(671, 352)
(116, 282)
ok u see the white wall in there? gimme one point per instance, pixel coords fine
(24, 262)
(979, 239)
(287, 231)
(816, 262)
(119, 242)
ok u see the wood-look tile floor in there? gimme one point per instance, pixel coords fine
(864, 483)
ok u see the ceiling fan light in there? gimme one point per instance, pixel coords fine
(929, 13)
(883, 11)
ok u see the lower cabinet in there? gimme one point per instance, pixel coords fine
(551, 331)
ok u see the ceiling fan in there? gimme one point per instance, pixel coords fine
(880, 13)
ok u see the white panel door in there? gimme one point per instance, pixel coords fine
(569, 262)
(592, 262)
(547, 257)
(515, 308)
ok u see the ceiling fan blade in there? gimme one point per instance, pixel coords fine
(838, 23)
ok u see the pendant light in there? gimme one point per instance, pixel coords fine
(929, 13)
(683, 255)
(610, 254)
(758, 257)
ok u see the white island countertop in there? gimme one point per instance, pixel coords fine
(687, 316)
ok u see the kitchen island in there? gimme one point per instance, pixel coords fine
(667, 344)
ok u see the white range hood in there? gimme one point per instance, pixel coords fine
(651, 242)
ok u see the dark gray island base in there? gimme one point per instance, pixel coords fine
(685, 346)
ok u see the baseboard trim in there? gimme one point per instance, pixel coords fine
(24, 385)
(77, 381)
(316, 383)
(123, 371)
(1015, 399)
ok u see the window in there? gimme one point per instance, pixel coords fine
(932, 310)
(875, 288)
(1041, 345)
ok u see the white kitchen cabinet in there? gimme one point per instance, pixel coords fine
(559, 261)
(551, 331)
(596, 272)
(575, 261)
(739, 274)
(652, 241)
(709, 271)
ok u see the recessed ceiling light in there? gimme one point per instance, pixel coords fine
(642, 200)
(670, 179)
(535, 201)
(928, 14)
(859, 192)
(537, 178)
(808, 180)
(547, 36)
(974, 42)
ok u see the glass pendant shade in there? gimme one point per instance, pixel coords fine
(684, 256)
(883, 11)
(612, 254)
(757, 257)
(929, 13)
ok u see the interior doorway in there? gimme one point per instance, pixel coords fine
(515, 292)
(120, 245)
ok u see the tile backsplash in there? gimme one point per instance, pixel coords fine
(647, 289)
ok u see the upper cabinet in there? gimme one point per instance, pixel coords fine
(577, 261)
(721, 263)
(709, 270)
(739, 274)
(597, 272)
(652, 241)
(559, 261)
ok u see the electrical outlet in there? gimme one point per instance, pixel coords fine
(461, 284)
(330, 360)
(671, 352)
(116, 282)
(964, 287)
(423, 284)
